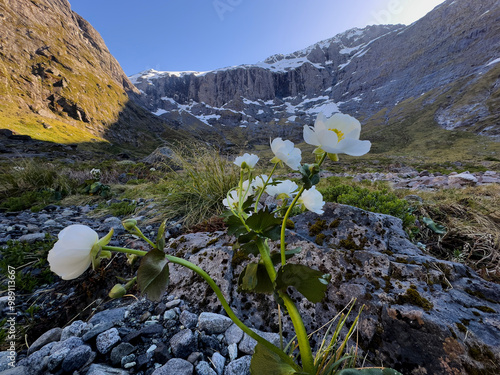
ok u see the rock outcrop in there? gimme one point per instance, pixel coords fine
(421, 316)
(450, 56)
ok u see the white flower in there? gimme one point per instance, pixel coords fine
(246, 161)
(232, 200)
(247, 188)
(337, 135)
(71, 254)
(286, 152)
(285, 189)
(259, 181)
(312, 200)
(96, 173)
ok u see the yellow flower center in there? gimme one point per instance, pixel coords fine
(340, 135)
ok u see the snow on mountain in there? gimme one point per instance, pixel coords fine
(166, 91)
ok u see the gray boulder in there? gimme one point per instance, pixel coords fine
(176, 366)
(421, 314)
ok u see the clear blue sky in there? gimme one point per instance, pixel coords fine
(200, 35)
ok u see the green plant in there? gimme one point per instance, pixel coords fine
(94, 187)
(24, 257)
(33, 200)
(122, 208)
(381, 201)
(253, 226)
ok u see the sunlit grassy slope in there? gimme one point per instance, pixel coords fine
(46, 129)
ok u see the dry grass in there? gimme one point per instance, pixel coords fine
(472, 218)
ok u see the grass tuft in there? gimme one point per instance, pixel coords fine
(193, 193)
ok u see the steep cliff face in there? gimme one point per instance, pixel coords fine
(59, 82)
(451, 56)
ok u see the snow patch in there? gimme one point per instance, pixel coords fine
(167, 99)
(328, 109)
(248, 101)
(493, 62)
(159, 112)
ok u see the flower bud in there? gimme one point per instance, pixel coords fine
(129, 224)
(117, 291)
(131, 258)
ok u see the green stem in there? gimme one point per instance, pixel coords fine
(125, 250)
(264, 187)
(138, 232)
(221, 297)
(287, 214)
(266, 258)
(298, 324)
(240, 191)
(228, 309)
(323, 159)
(301, 333)
(283, 226)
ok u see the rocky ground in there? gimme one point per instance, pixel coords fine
(422, 315)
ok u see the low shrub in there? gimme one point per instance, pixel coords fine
(30, 262)
(381, 201)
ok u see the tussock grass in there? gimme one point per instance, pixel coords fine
(194, 192)
(31, 184)
(28, 175)
(472, 218)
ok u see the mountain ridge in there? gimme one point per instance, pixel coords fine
(60, 83)
(359, 72)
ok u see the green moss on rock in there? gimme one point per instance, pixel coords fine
(317, 227)
(413, 297)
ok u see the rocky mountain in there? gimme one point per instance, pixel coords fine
(445, 66)
(59, 82)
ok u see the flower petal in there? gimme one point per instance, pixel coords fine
(321, 122)
(80, 234)
(329, 141)
(312, 199)
(71, 254)
(310, 136)
(76, 271)
(249, 159)
(354, 147)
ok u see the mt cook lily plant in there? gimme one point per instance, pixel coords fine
(254, 226)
